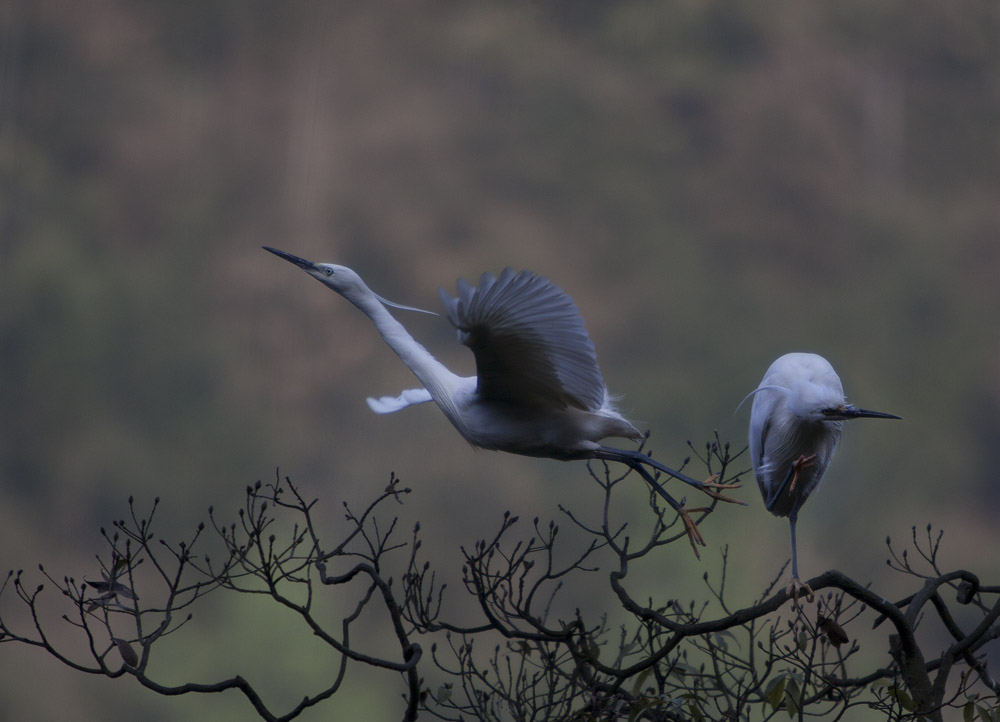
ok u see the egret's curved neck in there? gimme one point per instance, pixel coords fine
(437, 378)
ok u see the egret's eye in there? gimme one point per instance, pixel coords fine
(329, 271)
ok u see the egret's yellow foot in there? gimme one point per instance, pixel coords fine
(803, 462)
(797, 588)
(694, 536)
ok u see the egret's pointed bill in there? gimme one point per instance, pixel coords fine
(300, 262)
(853, 412)
(312, 267)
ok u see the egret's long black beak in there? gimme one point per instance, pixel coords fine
(300, 262)
(853, 412)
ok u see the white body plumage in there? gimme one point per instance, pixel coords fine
(798, 414)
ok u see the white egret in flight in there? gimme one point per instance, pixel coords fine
(537, 391)
(796, 420)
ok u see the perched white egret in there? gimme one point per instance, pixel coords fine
(537, 391)
(797, 417)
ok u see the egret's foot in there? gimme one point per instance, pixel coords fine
(711, 487)
(691, 527)
(711, 483)
(801, 463)
(797, 588)
(723, 497)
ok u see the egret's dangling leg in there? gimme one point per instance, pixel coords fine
(631, 458)
(637, 461)
(690, 526)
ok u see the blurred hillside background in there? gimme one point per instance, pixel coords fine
(714, 183)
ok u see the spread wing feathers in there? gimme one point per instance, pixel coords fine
(529, 340)
(388, 404)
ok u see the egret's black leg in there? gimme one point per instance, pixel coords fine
(635, 459)
(631, 457)
(694, 536)
(796, 588)
(792, 518)
(787, 485)
(655, 485)
(777, 491)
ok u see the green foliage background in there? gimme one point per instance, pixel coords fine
(714, 183)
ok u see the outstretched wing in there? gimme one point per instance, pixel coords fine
(529, 340)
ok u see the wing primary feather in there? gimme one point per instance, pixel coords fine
(530, 343)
